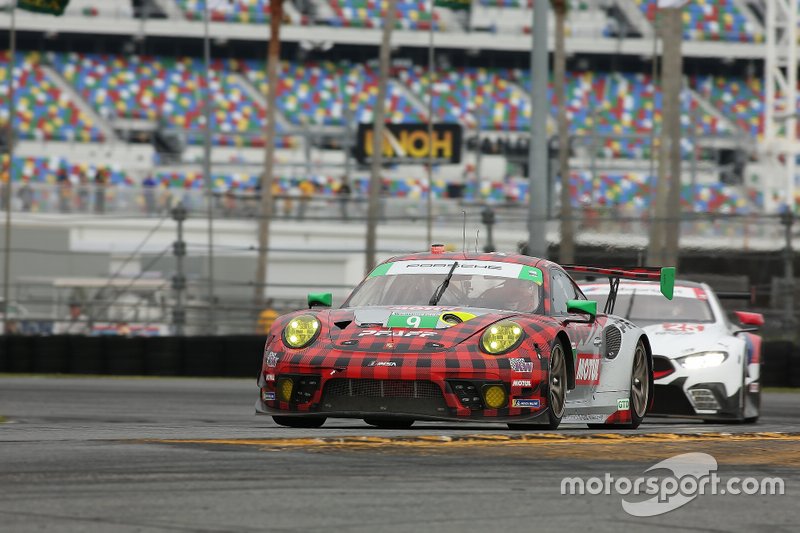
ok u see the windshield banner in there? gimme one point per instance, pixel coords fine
(482, 268)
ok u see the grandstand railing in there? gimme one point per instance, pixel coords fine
(611, 221)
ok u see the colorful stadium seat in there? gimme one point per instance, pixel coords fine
(410, 14)
(43, 112)
(319, 93)
(488, 96)
(169, 90)
(252, 11)
(710, 20)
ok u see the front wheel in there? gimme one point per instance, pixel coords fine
(557, 390)
(299, 421)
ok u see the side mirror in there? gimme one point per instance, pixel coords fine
(583, 307)
(754, 320)
(319, 299)
(750, 319)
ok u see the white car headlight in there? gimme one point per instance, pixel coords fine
(703, 360)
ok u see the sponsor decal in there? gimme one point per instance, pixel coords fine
(493, 268)
(525, 402)
(396, 333)
(382, 363)
(435, 310)
(683, 328)
(272, 359)
(531, 273)
(578, 418)
(623, 404)
(588, 371)
(268, 396)
(519, 364)
(521, 383)
(269, 377)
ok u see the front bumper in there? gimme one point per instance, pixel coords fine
(706, 401)
(424, 394)
(706, 393)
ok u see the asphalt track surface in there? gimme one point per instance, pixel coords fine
(106, 454)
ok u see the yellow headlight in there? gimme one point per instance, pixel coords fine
(285, 386)
(300, 331)
(501, 337)
(494, 396)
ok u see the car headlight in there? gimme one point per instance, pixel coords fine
(301, 331)
(702, 360)
(501, 337)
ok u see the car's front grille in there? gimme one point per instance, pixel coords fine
(382, 388)
(384, 396)
(704, 400)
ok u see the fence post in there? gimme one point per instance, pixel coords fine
(179, 279)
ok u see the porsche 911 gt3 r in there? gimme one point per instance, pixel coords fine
(704, 366)
(460, 337)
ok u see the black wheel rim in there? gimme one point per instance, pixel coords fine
(640, 390)
(558, 381)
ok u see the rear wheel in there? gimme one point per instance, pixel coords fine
(390, 423)
(639, 397)
(299, 421)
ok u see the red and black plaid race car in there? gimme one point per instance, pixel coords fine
(462, 337)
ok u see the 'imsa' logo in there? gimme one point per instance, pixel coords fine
(588, 372)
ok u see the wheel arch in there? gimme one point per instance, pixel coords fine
(563, 338)
(649, 351)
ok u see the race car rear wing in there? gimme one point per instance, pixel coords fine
(738, 295)
(664, 275)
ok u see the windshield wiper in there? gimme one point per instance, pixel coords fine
(437, 294)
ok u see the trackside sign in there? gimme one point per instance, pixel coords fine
(409, 143)
(52, 7)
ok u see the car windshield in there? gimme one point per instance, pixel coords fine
(414, 283)
(644, 305)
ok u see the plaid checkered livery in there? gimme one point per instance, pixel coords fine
(371, 354)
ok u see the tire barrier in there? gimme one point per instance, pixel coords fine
(234, 356)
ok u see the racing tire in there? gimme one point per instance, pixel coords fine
(744, 418)
(300, 421)
(556, 390)
(390, 423)
(639, 396)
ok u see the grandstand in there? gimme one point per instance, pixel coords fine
(116, 97)
(110, 122)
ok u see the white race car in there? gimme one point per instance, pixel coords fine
(703, 365)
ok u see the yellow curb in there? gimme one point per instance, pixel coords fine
(487, 440)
